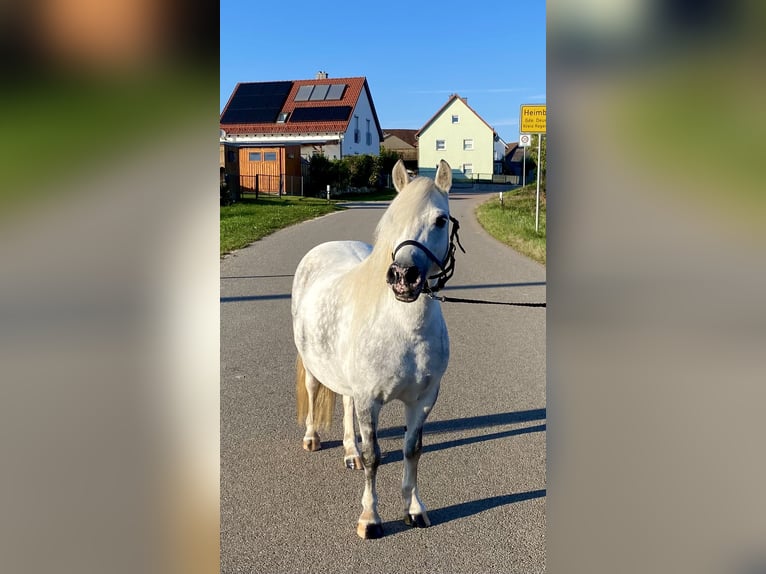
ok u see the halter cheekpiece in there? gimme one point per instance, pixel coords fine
(446, 266)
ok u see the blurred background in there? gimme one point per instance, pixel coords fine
(656, 322)
(109, 340)
(108, 289)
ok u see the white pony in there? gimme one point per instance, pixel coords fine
(363, 330)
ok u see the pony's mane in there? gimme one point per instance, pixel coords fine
(413, 199)
(369, 277)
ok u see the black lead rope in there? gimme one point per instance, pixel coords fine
(447, 269)
(458, 300)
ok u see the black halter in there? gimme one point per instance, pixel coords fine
(446, 266)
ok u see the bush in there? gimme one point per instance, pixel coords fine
(360, 169)
(357, 171)
(321, 173)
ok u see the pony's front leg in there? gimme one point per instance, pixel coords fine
(369, 525)
(351, 457)
(414, 510)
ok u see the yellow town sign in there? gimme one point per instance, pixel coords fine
(532, 119)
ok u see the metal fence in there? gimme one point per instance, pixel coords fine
(272, 184)
(492, 178)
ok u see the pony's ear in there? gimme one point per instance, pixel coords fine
(443, 179)
(400, 176)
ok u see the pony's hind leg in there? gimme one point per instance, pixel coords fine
(351, 456)
(315, 404)
(311, 440)
(414, 510)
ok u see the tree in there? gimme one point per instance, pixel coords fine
(321, 172)
(360, 169)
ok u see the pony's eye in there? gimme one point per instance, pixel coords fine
(441, 221)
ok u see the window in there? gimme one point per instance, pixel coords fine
(320, 91)
(254, 156)
(441, 145)
(282, 118)
(467, 145)
(303, 93)
(335, 92)
(270, 156)
(356, 129)
(369, 135)
(468, 168)
(455, 119)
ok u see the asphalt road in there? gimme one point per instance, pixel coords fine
(482, 473)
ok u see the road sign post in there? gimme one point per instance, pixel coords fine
(533, 120)
(525, 140)
(537, 197)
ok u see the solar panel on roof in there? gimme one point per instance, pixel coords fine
(303, 93)
(336, 92)
(258, 102)
(320, 91)
(326, 114)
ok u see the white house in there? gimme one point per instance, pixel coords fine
(332, 116)
(458, 135)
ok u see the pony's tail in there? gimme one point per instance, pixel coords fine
(324, 399)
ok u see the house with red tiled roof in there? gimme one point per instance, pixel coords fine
(457, 134)
(335, 116)
(269, 130)
(404, 143)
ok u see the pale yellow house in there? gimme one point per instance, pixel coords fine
(458, 135)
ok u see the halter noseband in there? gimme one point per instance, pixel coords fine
(446, 266)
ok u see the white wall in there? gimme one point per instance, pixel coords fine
(330, 151)
(363, 111)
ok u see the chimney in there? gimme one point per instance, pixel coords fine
(321, 75)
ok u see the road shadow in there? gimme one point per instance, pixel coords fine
(393, 456)
(470, 423)
(463, 510)
(255, 298)
(255, 276)
(454, 425)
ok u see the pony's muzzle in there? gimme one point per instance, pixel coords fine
(406, 282)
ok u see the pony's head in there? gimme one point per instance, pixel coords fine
(415, 231)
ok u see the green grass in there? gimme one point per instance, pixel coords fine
(252, 219)
(513, 223)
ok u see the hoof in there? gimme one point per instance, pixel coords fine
(369, 531)
(312, 444)
(417, 520)
(353, 462)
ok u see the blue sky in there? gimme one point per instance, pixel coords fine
(414, 54)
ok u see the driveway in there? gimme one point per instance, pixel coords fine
(482, 473)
